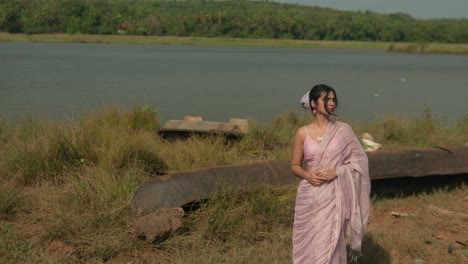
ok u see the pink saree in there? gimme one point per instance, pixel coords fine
(324, 214)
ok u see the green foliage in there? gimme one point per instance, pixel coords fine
(238, 19)
(10, 12)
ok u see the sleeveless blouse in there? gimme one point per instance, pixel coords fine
(311, 148)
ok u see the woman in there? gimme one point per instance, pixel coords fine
(333, 196)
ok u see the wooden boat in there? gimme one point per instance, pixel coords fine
(179, 189)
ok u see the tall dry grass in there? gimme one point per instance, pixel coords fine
(11, 201)
(71, 181)
(429, 130)
(43, 150)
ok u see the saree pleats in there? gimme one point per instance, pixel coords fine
(315, 223)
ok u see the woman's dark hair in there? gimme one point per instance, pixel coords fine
(317, 91)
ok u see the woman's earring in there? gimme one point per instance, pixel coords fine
(314, 112)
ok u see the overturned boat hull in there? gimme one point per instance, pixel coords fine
(178, 189)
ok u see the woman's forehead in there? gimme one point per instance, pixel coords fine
(329, 94)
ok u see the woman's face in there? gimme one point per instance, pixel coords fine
(325, 102)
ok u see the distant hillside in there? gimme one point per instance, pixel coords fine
(240, 19)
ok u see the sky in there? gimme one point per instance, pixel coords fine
(424, 9)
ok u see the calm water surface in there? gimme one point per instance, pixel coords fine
(64, 80)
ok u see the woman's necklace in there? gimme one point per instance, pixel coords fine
(319, 137)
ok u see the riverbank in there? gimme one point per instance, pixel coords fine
(426, 48)
(196, 41)
(65, 188)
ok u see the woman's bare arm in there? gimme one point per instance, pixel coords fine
(298, 156)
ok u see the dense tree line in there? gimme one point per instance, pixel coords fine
(236, 18)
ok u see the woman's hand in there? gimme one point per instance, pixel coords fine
(328, 175)
(314, 179)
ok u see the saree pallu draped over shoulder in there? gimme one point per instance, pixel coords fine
(324, 214)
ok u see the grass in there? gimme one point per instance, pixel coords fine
(400, 132)
(71, 182)
(12, 248)
(442, 48)
(434, 231)
(11, 201)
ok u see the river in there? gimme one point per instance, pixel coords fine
(64, 80)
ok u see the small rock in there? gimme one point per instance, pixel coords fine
(399, 215)
(158, 225)
(441, 236)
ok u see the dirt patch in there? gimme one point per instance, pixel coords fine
(158, 225)
(61, 247)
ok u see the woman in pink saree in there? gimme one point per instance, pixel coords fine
(333, 195)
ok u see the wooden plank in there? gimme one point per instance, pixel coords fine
(176, 128)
